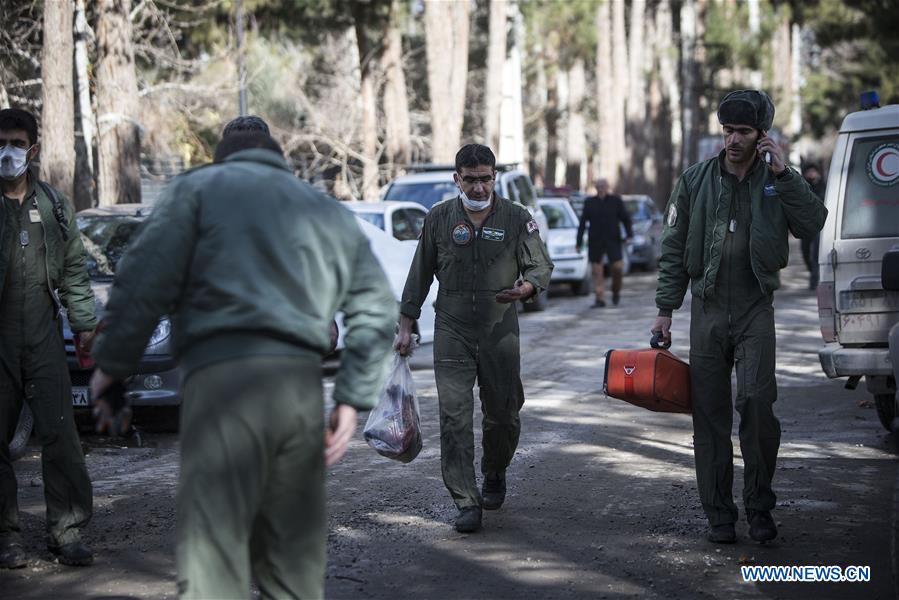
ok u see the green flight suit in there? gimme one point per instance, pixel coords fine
(251, 264)
(33, 369)
(734, 326)
(476, 337)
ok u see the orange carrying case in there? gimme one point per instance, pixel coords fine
(652, 378)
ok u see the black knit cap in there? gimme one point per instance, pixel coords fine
(747, 107)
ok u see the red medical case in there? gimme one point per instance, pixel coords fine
(652, 378)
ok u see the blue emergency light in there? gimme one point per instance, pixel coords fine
(870, 100)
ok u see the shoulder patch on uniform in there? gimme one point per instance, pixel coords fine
(769, 190)
(672, 215)
(462, 233)
(532, 226)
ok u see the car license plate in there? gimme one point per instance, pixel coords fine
(81, 396)
(868, 301)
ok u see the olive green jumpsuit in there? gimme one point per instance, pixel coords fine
(476, 337)
(734, 326)
(33, 368)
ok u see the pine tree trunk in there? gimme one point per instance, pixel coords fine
(496, 59)
(368, 100)
(619, 88)
(604, 93)
(84, 137)
(690, 70)
(57, 115)
(117, 106)
(396, 101)
(576, 141)
(552, 112)
(669, 147)
(446, 33)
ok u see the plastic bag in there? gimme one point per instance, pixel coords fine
(393, 428)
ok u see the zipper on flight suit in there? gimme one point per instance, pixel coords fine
(712, 247)
(57, 304)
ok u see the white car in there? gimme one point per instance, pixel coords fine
(434, 183)
(401, 219)
(571, 266)
(855, 312)
(396, 258)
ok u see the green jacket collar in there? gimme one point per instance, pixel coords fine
(751, 174)
(260, 155)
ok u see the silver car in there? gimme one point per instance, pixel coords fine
(106, 233)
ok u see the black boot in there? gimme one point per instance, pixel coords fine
(12, 555)
(493, 491)
(722, 534)
(75, 554)
(469, 519)
(761, 525)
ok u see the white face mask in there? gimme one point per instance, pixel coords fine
(13, 161)
(475, 205)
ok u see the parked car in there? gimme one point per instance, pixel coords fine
(434, 183)
(645, 246)
(401, 219)
(396, 258)
(856, 313)
(106, 233)
(571, 267)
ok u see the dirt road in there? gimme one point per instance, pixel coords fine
(602, 500)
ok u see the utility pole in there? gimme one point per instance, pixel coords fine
(241, 68)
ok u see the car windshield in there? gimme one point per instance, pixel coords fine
(105, 239)
(637, 209)
(376, 219)
(426, 194)
(557, 216)
(869, 208)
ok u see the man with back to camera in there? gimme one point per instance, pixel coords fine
(477, 245)
(251, 263)
(727, 235)
(812, 174)
(42, 269)
(604, 212)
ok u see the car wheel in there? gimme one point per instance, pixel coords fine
(539, 303)
(584, 286)
(888, 410)
(23, 433)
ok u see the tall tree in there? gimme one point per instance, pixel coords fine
(575, 140)
(57, 113)
(604, 92)
(496, 60)
(362, 15)
(84, 138)
(446, 32)
(619, 87)
(396, 102)
(117, 105)
(669, 148)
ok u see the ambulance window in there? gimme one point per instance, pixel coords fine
(871, 203)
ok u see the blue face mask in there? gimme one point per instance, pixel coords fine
(13, 161)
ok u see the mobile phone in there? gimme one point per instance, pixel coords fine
(767, 156)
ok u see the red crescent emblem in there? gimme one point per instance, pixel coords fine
(879, 166)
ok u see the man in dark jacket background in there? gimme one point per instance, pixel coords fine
(251, 264)
(727, 234)
(41, 270)
(812, 174)
(605, 213)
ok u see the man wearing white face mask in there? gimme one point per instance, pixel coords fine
(486, 253)
(41, 270)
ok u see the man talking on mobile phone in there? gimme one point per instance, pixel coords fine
(726, 234)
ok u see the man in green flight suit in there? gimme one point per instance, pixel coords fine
(41, 270)
(486, 253)
(251, 264)
(726, 234)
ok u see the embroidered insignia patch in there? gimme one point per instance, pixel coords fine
(532, 226)
(769, 190)
(493, 235)
(462, 234)
(672, 215)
